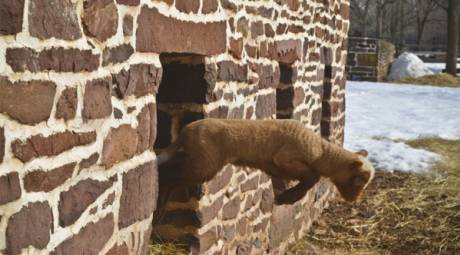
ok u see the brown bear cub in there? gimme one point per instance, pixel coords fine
(283, 149)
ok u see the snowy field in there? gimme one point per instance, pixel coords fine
(380, 116)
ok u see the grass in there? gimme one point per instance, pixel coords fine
(439, 80)
(400, 213)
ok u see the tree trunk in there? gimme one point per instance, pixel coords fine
(420, 30)
(379, 28)
(452, 37)
(401, 27)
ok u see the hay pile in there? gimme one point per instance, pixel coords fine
(167, 248)
(400, 213)
(441, 80)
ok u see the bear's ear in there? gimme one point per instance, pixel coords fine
(363, 153)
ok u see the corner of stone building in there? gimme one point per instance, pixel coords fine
(88, 88)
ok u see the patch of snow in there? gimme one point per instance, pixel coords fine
(380, 116)
(438, 67)
(408, 65)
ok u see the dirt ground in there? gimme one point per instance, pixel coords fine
(400, 213)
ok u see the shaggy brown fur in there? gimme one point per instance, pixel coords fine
(283, 149)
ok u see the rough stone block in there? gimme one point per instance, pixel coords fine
(97, 101)
(242, 26)
(89, 240)
(345, 11)
(316, 117)
(281, 29)
(266, 106)
(251, 51)
(265, 12)
(100, 18)
(229, 5)
(116, 249)
(257, 29)
(11, 12)
(228, 232)
(206, 241)
(231, 209)
(242, 226)
(261, 226)
(236, 113)
(117, 54)
(38, 146)
(269, 77)
(54, 18)
(54, 59)
(39, 180)
(269, 32)
(220, 181)
(128, 25)
(288, 51)
(330, 109)
(73, 202)
(159, 33)
(27, 102)
(266, 204)
(236, 47)
(140, 80)
(229, 71)
(31, 226)
(2, 144)
(119, 145)
(295, 29)
(67, 104)
(188, 6)
(221, 112)
(87, 162)
(208, 213)
(293, 5)
(10, 189)
(129, 2)
(140, 191)
(146, 129)
(250, 184)
(209, 6)
(282, 225)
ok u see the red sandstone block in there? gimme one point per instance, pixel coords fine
(27, 102)
(37, 146)
(159, 33)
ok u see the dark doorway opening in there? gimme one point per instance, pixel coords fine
(180, 100)
(326, 118)
(285, 92)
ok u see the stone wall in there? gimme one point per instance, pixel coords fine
(282, 61)
(78, 117)
(369, 59)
